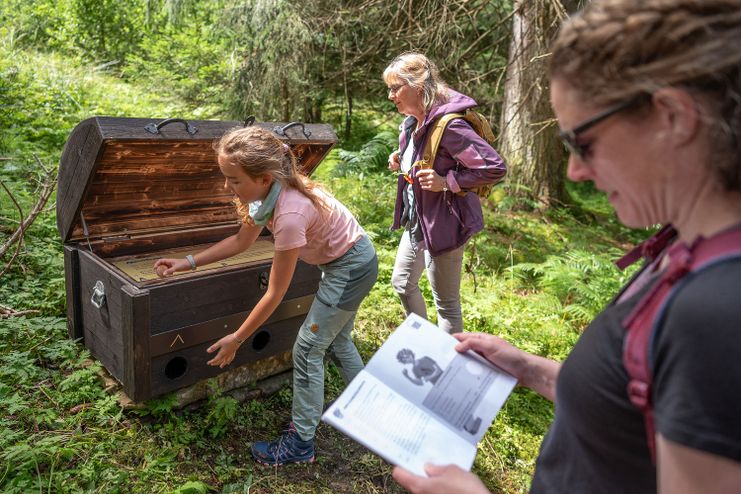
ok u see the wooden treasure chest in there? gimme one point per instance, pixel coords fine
(134, 190)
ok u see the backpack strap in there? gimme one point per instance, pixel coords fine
(649, 249)
(647, 315)
(435, 136)
(433, 142)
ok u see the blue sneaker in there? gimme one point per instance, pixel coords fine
(288, 448)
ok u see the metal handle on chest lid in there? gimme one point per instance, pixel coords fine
(281, 131)
(249, 121)
(98, 298)
(154, 128)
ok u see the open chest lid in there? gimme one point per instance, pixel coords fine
(136, 176)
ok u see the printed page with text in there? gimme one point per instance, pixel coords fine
(420, 401)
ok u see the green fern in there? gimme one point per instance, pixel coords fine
(582, 281)
(372, 157)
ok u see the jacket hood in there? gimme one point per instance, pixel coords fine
(457, 103)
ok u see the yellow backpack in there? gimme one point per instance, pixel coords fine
(479, 124)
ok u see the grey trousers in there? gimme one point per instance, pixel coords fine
(327, 330)
(444, 274)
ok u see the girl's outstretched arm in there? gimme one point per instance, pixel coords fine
(230, 246)
(281, 273)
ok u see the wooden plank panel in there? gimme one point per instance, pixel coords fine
(186, 302)
(198, 187)
(106, 159)
(120, 198)
(116, 128)
(133, 128)
(206, 234)
(180, 149)
(196, 334)
(152, 222)
(197, 300)
(162, 169)
(136, 355)
(280, 335)
(75, 173)
(127, 210)
(306, 279)
(102, 327)
(139, 268)
(111, 358)
(72, 291)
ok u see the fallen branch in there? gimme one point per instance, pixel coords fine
(7, 312)
(47, 187)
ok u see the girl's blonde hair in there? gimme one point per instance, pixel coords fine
(615, 50)
(420, 73)
(258, 152)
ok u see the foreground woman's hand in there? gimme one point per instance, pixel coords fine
(227, 350)
(442, 480)
(494, 349)
(532, 371)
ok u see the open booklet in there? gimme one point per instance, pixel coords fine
(420, 401)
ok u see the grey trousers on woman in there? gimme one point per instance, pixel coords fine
(444, 274)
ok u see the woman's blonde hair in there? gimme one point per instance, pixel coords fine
(615, 50)
(259, 152)
(420, 73)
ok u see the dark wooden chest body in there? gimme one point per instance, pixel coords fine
(128, 196)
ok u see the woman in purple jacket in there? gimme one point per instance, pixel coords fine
(432, 205)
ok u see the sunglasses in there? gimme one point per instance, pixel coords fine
(570, 138)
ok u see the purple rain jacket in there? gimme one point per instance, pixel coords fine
(448, 220)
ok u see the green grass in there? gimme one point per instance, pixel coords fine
(532, 277)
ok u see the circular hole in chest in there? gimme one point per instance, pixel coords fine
(176, 367)
(260, 341)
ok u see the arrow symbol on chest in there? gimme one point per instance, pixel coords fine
(178, 337)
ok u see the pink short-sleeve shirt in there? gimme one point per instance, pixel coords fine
(297, 223)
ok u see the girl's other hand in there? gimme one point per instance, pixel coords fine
(227, 350)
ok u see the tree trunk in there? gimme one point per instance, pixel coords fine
(529, 140)
(348, 117)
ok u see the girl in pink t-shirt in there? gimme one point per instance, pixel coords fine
(308, 224)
